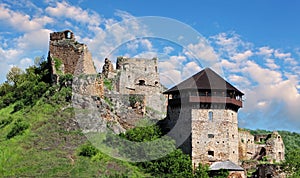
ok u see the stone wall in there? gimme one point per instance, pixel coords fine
(276, 150)
(75, 57)
(214, 139)
(258, 147)
(247, 147)
(140, 76)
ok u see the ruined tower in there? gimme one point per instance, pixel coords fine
(67, 56)
(140, 76)
(208, 106)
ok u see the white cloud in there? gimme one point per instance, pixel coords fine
(271, 64)
(170, 78)
(190, 69)
(262, 75)
(201, 51)
(34, 40)
(168, 49)
(242, 56)
(280, 55)
(22, 22)
(265, 51)
(240, 80)
(63, 9)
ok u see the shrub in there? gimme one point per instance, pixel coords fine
(108, 84)
(18, 128)
(18, 106)
(5, 122)
(88, 150)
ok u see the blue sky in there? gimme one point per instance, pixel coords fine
(253, 44)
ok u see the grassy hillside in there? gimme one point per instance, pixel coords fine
(38, 135)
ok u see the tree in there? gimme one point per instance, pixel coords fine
(292, 163)
(14, 75)
(39, 60)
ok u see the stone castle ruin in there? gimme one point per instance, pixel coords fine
(69, 56)
(205, 105)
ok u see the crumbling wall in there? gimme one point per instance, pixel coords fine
(276, 150)
(140, 76)
(74, 57)
(247, 146)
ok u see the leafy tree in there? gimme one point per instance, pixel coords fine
(201, 171)
(292, 163)
(14, 75)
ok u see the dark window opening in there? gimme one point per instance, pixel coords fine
(211, 135)
(141, 82)
(279, 153)
(156, 82)
(261, 139)
(211, 153)
(269, 175)
(210, 116)
(155, 68)
(68, 35)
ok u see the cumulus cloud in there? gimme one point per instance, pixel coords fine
(34, 40)
(271, 93)
(64, 9)
(201, 51)
(238, 57)
(265, 51)
(22, 22)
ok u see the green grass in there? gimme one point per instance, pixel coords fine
(49, 147)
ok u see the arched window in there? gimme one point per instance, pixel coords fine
(210, 116)
(68, 34)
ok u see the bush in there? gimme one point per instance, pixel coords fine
(5, 122)
(88, 150)
(18, 106)
(108, 83)
(18, 128)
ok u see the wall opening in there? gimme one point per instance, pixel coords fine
(68, 35)
(211, 135)
(210, 116)
(211, 153)
(280, 155)
(141, 82)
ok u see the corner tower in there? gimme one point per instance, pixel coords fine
(208, 105)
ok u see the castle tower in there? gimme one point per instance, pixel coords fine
(67, 56)
(140, 76)
(207, 105)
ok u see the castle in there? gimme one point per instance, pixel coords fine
(203, 109)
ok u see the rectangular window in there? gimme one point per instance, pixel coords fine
(211, 135)
(210, 116)
(211, 153)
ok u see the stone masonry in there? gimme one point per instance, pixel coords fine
(74, 57)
